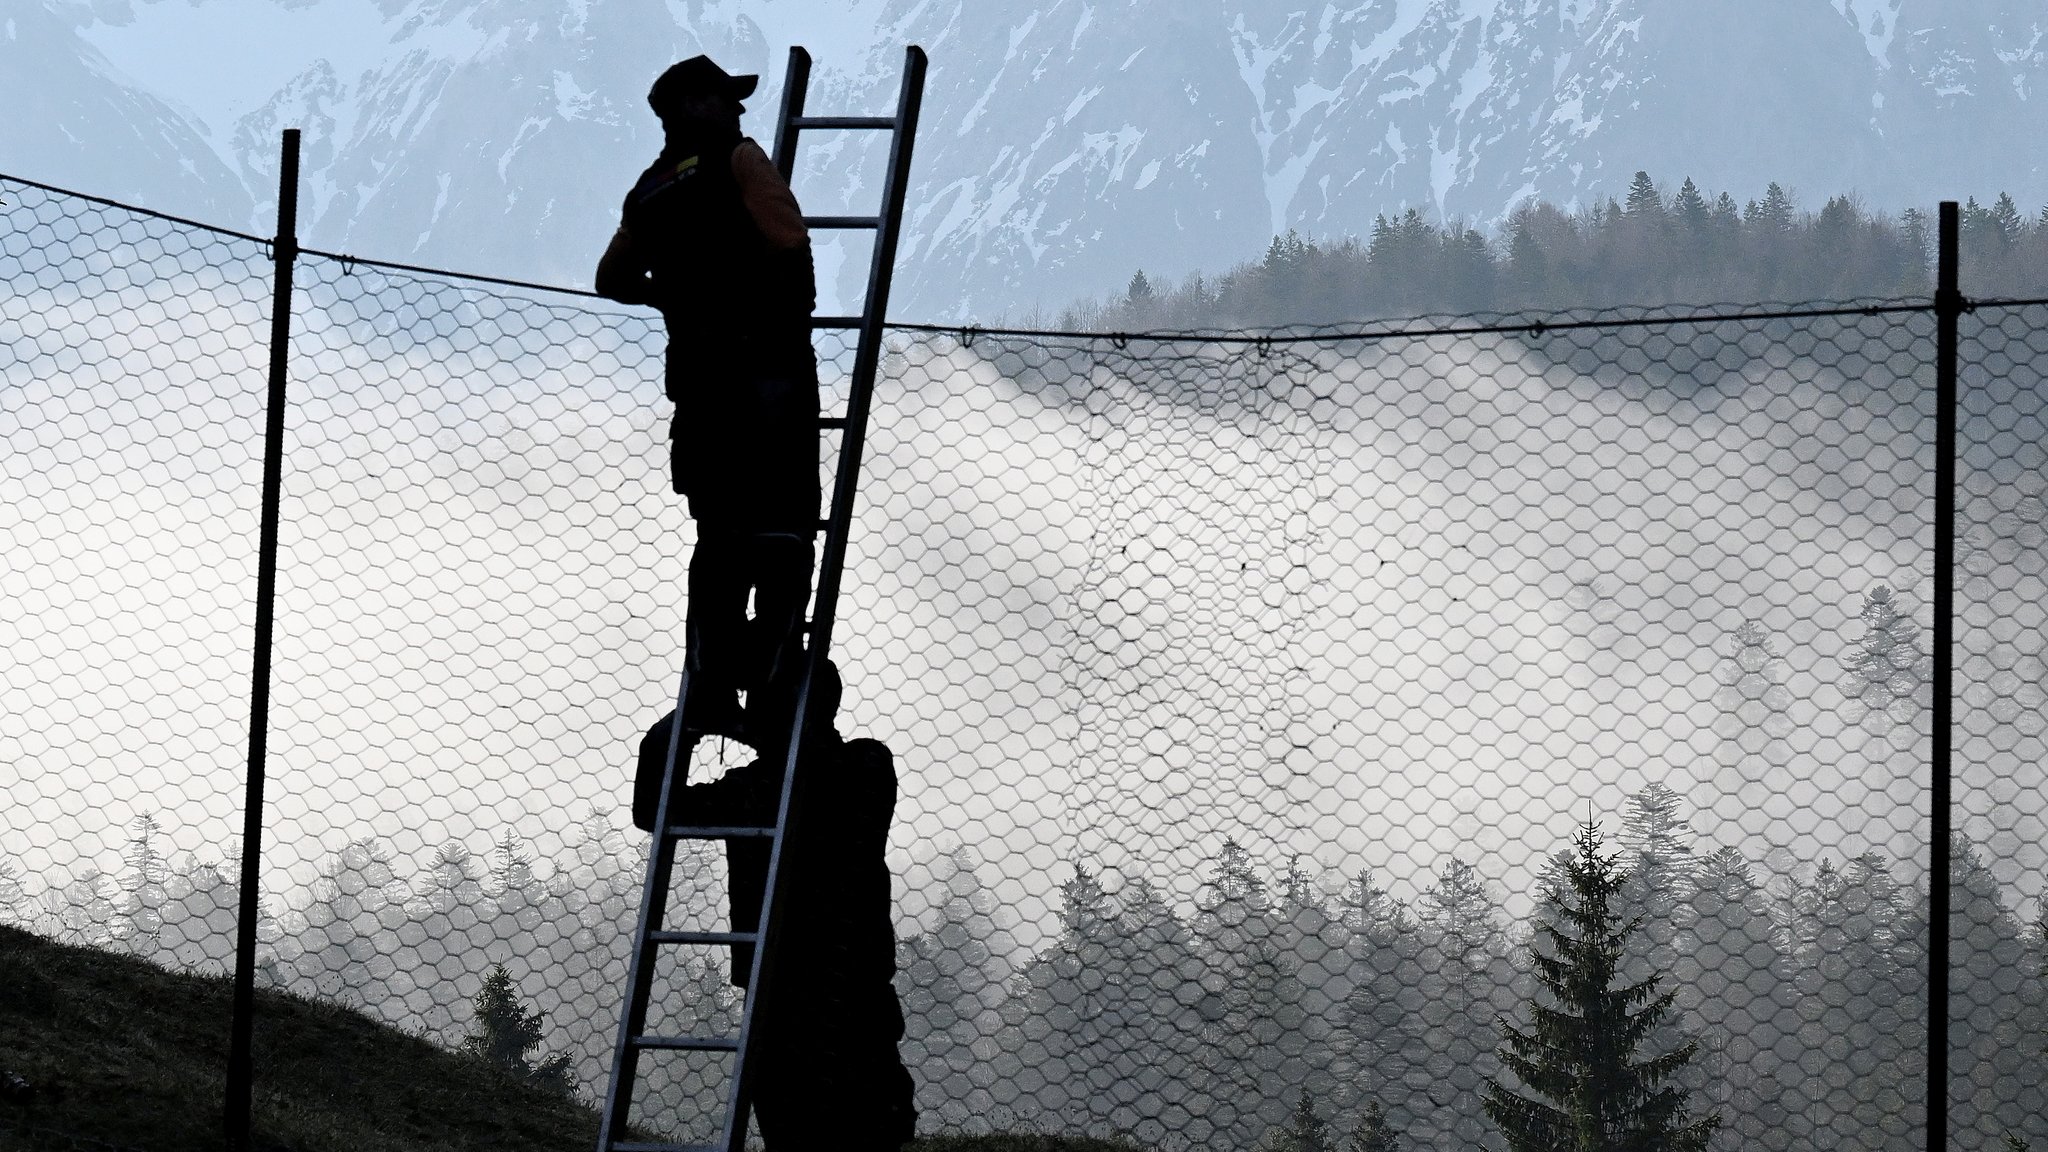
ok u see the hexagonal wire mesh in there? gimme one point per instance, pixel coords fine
(1998, 924)
(1244, 694)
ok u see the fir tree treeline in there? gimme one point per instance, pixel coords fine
(1655, 247)
(1278, 1011)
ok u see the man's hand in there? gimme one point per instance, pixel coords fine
(622, 272)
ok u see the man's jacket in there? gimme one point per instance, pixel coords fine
(729, 256)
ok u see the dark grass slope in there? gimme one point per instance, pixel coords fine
(136, 1057)
(140, 1056)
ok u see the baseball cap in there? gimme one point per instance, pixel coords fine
(696, 76)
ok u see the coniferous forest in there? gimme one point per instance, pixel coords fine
(1656, 247)
(1742, 1006)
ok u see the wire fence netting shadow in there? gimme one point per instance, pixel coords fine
(1257, 705)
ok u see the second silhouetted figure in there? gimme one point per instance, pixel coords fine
(826, 1074)
(712, 236)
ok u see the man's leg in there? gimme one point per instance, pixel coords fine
(783, 499)
(779, 565)
(715, 633)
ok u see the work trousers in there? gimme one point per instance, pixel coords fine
(725, 650)
(745, 452)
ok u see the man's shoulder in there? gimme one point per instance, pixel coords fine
(666, 173)
(868, 769)
(869, 753)
(751, 164)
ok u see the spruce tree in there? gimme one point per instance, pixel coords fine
(1726, 216)
(1755, 722)
(1528, 271)
(16, 909)
(87, 909)
(201, 907)
(1372, 1133)
(1729, 954)
(1886, 668)
(511, 864)
(1304, 1132)
(505, 1032)
(1643, 201)
(1070, 1029)
(1988, 1093)
(1252, 1001)
(1580, 1054)
(1106, 1014)
(2005, 216)
(1658, 840)
(1690, 207)
(1466, 972)
(139, 923)
(1775, 214)
(1854, 982)
(358, 901)
(1919, 236)
(1140, 291)
(1383, 1031)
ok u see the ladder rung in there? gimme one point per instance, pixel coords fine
(666, 937)
(832, 422)
(888, 122)
(824, 525)
(686, 1043)
(696, 832)
(843, 221)
(837, 321)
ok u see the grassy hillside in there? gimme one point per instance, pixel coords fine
(138, 1056)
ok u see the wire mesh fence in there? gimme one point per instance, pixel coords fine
(1247, 694)
(1998, 983)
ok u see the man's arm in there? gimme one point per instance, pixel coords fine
(773, 206)
(622, 271)
(768, 198)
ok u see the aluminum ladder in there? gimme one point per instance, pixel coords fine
(649, 935)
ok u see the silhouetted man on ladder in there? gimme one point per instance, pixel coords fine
(712, 236)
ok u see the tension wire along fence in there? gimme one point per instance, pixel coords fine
(1242, 690)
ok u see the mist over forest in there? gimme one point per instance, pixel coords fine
(1242, 698)
(1190, 1025)
(1658, 247)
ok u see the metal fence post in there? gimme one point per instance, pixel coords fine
(284, 251)
(1948, 307)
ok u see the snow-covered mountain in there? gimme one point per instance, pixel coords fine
(1065, 142)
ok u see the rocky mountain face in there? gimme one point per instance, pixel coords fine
(1065, 143)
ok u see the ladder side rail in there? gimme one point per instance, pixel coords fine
(867, 353)
(661, 857)
(867, 358)
(795, 85)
